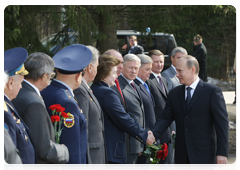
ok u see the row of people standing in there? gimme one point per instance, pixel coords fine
(101, 118)
(33, 107)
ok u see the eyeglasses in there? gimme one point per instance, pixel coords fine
(52, 75)
(83, 71)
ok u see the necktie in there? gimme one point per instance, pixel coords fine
(118, 87)
(130, 50)
(147, 88)
(160, 81)
(188, 95)
(133, 86)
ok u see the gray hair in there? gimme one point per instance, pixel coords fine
(95, 54)
(131, 57)
(178, 50)
(37, 64)
(145, 59)
(191, 62)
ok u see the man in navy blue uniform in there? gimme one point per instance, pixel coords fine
(17, 129)
(69, 64)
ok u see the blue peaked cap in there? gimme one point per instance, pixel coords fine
(13, 61)
(72, 59)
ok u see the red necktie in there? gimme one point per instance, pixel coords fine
(118, 87)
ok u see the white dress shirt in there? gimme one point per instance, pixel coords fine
(193, 86)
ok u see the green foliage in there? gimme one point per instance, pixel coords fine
(216, 24)
(24, 25)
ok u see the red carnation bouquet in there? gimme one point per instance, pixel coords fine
(156, 153)
(57, 117)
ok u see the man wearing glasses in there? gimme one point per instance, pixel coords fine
(70, 63)
(32, 110)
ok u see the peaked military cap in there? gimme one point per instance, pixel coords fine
(72, 59)
(13, 61)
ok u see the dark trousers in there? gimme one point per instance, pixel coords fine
(143, 163)
(236, 89)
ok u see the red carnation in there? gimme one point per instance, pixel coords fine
(164, 146)
(159, 154)
(63, 114)
(52, 119)
(54, 106)
(60, 109)
(55, 118)
(165, 153)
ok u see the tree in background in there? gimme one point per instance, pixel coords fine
(25, 26)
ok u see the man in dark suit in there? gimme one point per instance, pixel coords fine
(134, 103)
(147, 98)
(200, 113)
(172, 81)
(117, 87)
(16, 127)
(158, 87)
(200, 53)
(93, 113)
(135, 48)
(31, 108)
(69, 64)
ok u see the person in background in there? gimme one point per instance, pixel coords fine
(172, 81)
(116, 86)
(14, 66)
(96, 152)
(133, 101)
(116, 121)
(69, 64)
(11, 153)
(200, 113)
(135, 48)
(147, 98)
(235, 68)
(158, 87)
(31, 108)
(200, 53)
(170, 73)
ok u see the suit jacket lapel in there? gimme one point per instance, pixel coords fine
(91, 95)
(127, 86)
(181, 98)
(155, 81)
(196, 95)
(143, 88)
(30, 88)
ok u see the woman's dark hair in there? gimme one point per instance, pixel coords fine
(106, 62)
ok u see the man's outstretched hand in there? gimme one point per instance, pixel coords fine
(151, 138)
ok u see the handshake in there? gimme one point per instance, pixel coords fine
(151, 138)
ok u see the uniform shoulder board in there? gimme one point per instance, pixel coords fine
(67, 94)
(5, 107)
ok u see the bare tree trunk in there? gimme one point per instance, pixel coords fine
(109, 29)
